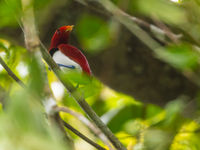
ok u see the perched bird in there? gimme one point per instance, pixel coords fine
(66, 55)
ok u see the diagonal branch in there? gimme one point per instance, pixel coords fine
(84, 120)
(133, 25)
(29, 26)
(13, 76)
(11, 73)
(68, 126)
(158, 32)
(32, 43)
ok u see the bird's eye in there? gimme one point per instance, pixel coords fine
(58, 31)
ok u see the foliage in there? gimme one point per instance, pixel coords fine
(138, 125)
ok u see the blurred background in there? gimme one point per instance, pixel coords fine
(144, 54)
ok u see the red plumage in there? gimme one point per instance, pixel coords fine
(76, 55)
(60, 41)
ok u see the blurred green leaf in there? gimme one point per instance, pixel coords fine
(37, 78)
(24, 126)
(180, 56)
(91, 89)
(187, 139)
(135, 127)
(152, 110)
(10, 11)
(156, 139)
(93, 33)
(39, 4)
(117, 118)
(173, 111)
(77, 77)
(1, 108)
(5, 80)
(86, 85)
(26, 112)
(164, 10)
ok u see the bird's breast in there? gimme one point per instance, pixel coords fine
(65, 62)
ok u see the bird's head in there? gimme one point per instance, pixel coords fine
(61, 36)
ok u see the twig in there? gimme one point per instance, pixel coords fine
(169, 33)
(131, 23)
(125, 20)
(84, 120)
(32, 43)
(66, 125)
(29, 26)
(81, 101)
(159, 33)
(10, 72)
(83, 136)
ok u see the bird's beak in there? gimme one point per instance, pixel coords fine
(69, 28)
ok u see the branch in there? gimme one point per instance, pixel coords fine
(81, 101)
(159, 33)
(32, 43)
(83, 136)
(29, 26)
(84, 120)
(65, 124)
(10, 73)
(131, 23)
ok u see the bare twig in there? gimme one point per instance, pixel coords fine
(10, 72)
(84, 120)
(83, 136)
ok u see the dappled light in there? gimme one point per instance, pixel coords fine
(106, 75)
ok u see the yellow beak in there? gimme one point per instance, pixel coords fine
(69, 28)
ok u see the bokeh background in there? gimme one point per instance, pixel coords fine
(146, 86)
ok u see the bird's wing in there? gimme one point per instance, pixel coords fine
(76, 55)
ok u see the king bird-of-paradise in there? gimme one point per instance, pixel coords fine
(66, 55)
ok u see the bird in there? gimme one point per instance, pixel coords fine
(65, 55)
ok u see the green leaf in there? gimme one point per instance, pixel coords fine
(187, 139)
(93, 33)
(25, 111)
(10, 11)
(39, 4)
(162, 9)
(152, 110)
(24, 125)
(180, 56)
(155, 139)
(116, 118)
(77, 77)
(37, 78)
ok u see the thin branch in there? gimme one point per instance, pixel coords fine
(82, 136)
(65, 124)
(159, 33)
(131, 23)
(168, 32)
(32, 43)
(89, 124)
(29, 26)
(10, 73)
(81, 101)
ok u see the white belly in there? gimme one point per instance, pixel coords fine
(60, 58)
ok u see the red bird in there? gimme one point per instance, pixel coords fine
(66, 55)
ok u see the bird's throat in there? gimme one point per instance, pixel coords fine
(52, 51)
